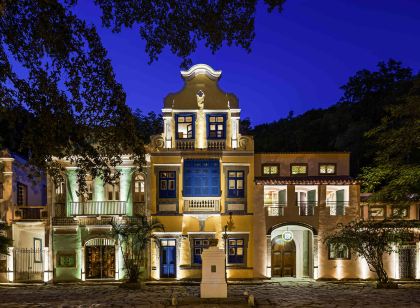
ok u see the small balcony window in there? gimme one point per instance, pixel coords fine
(236, 184)
(338, 252)
(112, 192)
(138, 188)
(216, 126)
(185, 126)
(298, 169)
(327, 169)
(272, 169)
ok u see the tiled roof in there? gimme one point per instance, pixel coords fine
(309, 180)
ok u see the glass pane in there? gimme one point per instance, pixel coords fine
(171, 243)
(205, 242)
(232, 242)
(163, 174)
(231, 184)
(331, 169)
(220, 127)
(240, 184)
(212, 119)
(197, 242)
(171, 185)
(188, 119)
(240, 242)
(163, 185)
(239, 251)
(239, 174)
(232, 174)
(197, 251)
(220, 119)
(274, 170)
(212, 127)
(181, 119)
(231, 251)
(266, 170)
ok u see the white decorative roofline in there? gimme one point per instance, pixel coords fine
(199, 69)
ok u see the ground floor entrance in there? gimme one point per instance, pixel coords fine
(168, 258)
(100, 262)
(283, 262)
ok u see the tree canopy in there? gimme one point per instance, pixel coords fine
(55, 73)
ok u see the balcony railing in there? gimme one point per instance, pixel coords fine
(97, 208)
(306, 208)
(337, 208)
(186, 144)
(216, 145)
(202, 205)
(30, 213)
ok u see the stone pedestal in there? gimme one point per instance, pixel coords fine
(213, 282)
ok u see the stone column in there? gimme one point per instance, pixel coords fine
(315, 257)
(71, 189)
(125, 189)
(98, 189)
(268, 256)
(200, 130)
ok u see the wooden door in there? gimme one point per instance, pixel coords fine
(100, 262)
(283, 258)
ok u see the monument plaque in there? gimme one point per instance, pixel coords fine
(213, 282)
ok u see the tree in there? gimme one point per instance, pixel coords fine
(371, 240)
(394, 177)
(5, 242)
(134, 236)
(53, 67)
(148, 125)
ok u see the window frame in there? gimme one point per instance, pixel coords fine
(38, 257)
(223, 115)
(348, 257)
(196, 258)
(270, 165)
(298, 165)
(184, 115)
(23, 202)
(240, 192)
(327, 164)
(167, 181)
(113, 191)
(238, 259)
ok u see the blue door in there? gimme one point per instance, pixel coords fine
(168, 258)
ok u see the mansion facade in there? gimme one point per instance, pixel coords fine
(202, 180)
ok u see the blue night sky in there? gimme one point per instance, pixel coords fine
(299, 58)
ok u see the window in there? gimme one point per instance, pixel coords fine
(201, 178)
(216, 126)
(138, 188)
(298, 169)
(22, 194)
(271, 169)
(112, 192)
(37, 250)
(59, 192)
(338, 251)
(327, 169)
(167, 184)
(184, 126)
(198, 247)
(89, 193)
(1, 190)
(236, 184)
(236, 251)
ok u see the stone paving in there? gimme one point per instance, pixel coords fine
(277, 294)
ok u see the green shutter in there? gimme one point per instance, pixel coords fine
(312, 195)
(339, 197)
(282, 197)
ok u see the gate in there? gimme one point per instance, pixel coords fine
(407, 257)
(28, 264)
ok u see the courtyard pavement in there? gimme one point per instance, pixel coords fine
(273, 294)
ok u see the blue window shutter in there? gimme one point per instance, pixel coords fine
(201, 178)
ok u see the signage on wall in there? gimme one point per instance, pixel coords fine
(288, 236)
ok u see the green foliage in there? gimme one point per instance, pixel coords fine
(5, 242)
(394, 176)
(59, 97)
(148, 125)
(342, 127)
(134, 235)
(372, 239)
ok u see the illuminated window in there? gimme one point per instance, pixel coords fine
(112, 192)
(327, 168)
(338, 251)
(271, 169)
(216, 126)
(236, 184)
(167, 184)
(185, 126)
(298, 169)
(236, 251)
(22, 194)
(198, 247)
(138, 188)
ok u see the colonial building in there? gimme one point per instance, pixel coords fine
(202, 180)
(82, 245)
(23, 207)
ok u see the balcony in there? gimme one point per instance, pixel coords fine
(306, 208)
(274, 208)
(185, 144)
(216, 145)
(337, 208)
(205, 205)
(97, 208)
(30, 213)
